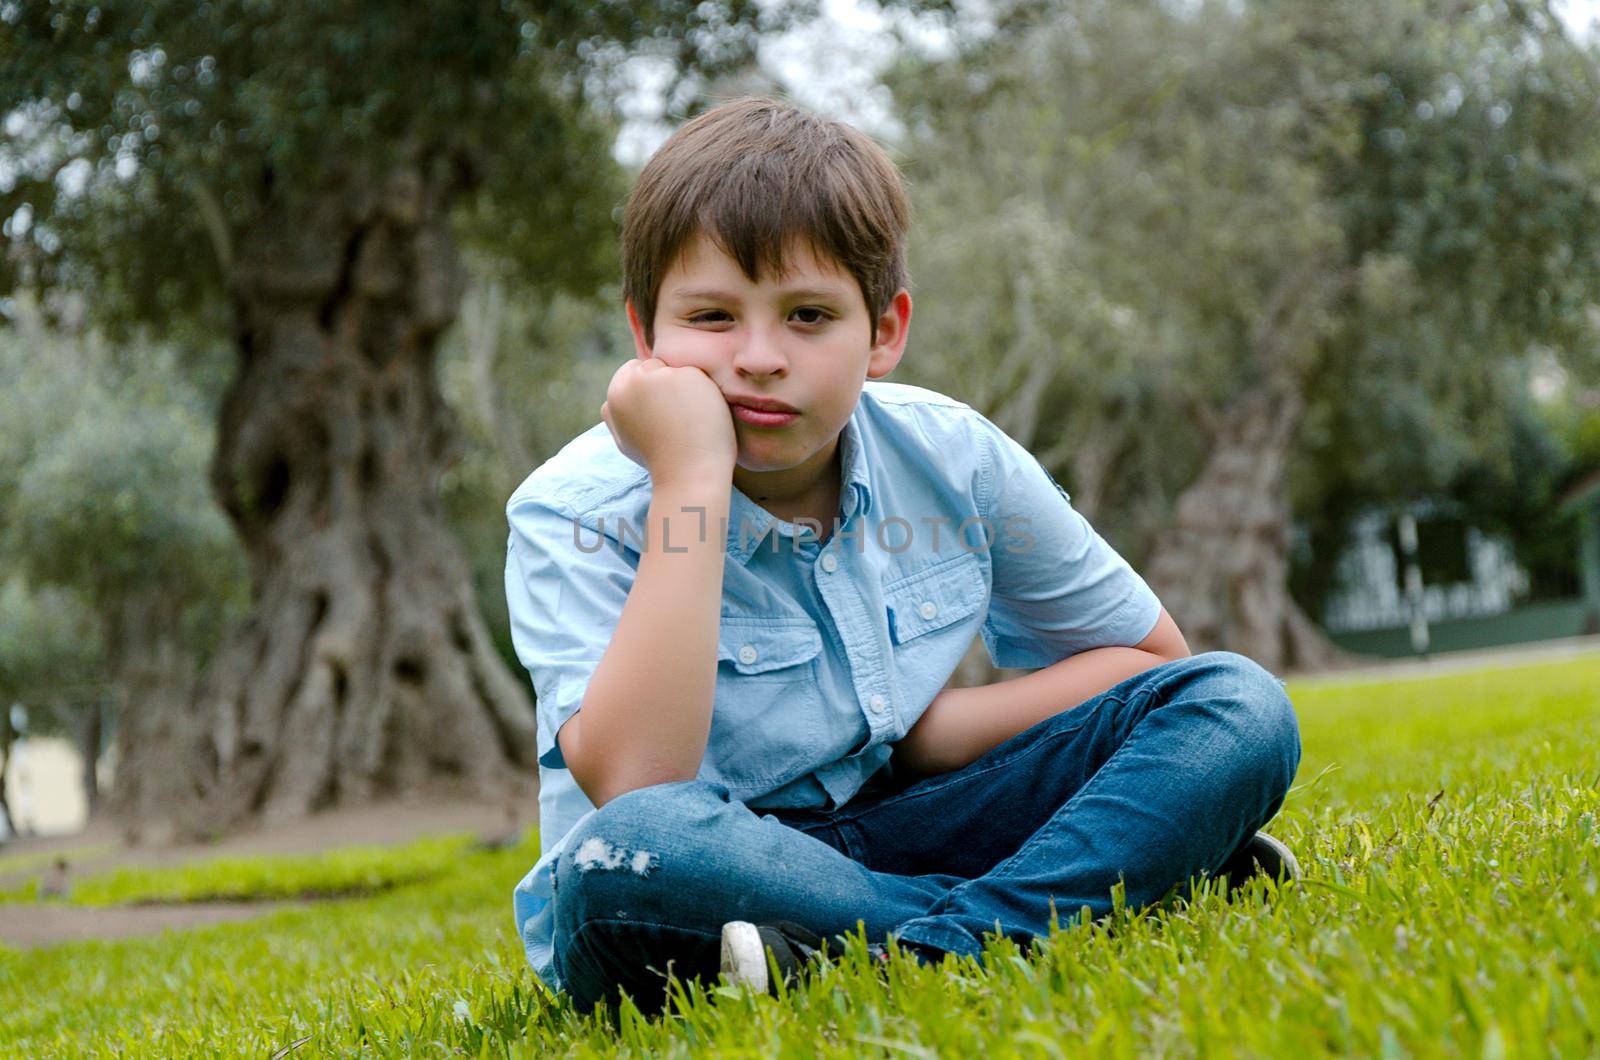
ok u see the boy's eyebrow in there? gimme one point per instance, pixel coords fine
(726, 296)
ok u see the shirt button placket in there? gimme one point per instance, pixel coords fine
(877, 703)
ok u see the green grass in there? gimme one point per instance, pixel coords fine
(1449, 827)
(351, 871)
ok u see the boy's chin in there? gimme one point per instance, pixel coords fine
(768, 457)
(765, 464)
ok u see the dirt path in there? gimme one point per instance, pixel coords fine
(99, 848)
(48, 923)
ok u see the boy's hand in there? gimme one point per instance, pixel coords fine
(671, 421)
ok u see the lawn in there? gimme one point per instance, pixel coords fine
(1449, 828)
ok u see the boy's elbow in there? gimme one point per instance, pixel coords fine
(612, 774)
(601, 790)
(1165, 641)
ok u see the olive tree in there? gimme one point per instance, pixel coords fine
(123, 567)
(1171, 247)
(302, 178)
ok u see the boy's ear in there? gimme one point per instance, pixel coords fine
(894, 326)
(641, 348)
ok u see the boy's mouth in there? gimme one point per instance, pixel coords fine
(762, 412)
(762, 404)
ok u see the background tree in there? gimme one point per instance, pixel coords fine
(300, 178)
(1163, 243)
(1466, 191)
(105, 513)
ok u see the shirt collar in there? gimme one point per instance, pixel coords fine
(855, 496)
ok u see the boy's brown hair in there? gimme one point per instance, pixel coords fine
(755, 175)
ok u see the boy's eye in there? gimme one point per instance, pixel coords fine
(812, 316)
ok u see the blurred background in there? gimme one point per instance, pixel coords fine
(1296, 299)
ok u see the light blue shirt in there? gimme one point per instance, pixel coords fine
(947, 527)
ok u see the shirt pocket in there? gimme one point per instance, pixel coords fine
(931, 624)
(766, 723)
(933, 598)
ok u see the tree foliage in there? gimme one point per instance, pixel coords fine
(1111, 197)
(144, 137)
(51, 651)
(102, 480)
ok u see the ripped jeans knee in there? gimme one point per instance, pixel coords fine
(610, 865)
(596, 852)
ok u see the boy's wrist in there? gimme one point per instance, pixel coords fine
(709, 476)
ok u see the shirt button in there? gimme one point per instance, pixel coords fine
(928, 609)
(747, 654)
(878, 704)
(830, 563)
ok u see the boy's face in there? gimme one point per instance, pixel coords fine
(805, 340)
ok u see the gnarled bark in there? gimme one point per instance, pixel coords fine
(364, 668)
(157, 746)
(1222, 567)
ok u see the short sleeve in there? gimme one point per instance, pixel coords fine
(565, 587)
(1059, 588)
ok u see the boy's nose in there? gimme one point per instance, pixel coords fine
(760, 355)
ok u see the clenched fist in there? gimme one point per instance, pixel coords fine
(671, 421)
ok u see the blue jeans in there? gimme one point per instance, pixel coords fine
(1155, 781)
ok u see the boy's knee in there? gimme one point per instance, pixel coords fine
(614, 859)
(655, 807)
(1255, 704)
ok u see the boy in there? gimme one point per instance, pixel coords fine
(741, 595)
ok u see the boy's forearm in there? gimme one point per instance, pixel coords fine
(646, 714)
(961, 724)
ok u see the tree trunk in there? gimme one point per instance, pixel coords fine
(6, 739)
(90, 730)
(158, 729)
(364, 669)
(481, 338)
(1222, 567)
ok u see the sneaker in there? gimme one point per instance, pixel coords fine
(794, 949)
(1261, 855)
